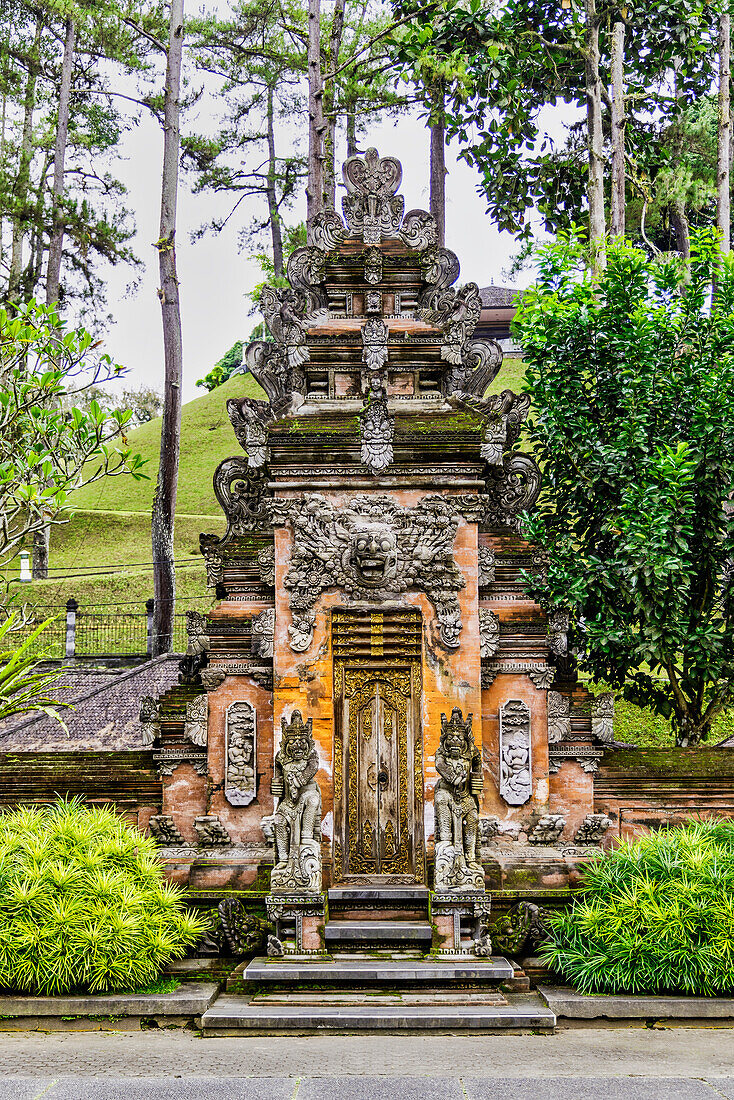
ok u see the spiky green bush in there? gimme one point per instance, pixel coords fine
(83, 903)
(656, 915)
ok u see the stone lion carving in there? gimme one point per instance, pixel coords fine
(456, 804)
(373, 548)
(297, 818)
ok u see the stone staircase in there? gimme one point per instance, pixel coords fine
(378, 975)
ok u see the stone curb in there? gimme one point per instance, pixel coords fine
(568, 1004)
(190, 999)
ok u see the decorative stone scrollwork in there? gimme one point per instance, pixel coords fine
(266, 565)
(279, 371)
(211, 832)
(250, 420)
(515, 765)
(377, 429)
(373, 266)
(586, 757)
(195, 726)
(558, 625)
(371, 207)
(197, 630)
(374, 346)
(602, 718)
(592, 829)
(440, 268)
(244, 932)
(511, 490)
(213, 677)
(241, 492)
(489, 632)
(297, 818)
(548, 830)
(327, 230)
(263, 633)
(300, 631)
(373, 549)
(542, 677)
(521, 930)
(150, 719)
(419, 231)
(305, 271)
(165, 832)
(487, 566)
(559, 717)
(240, 784)
(456, 804)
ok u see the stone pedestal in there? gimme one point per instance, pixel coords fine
(299, 921)
(461, 920)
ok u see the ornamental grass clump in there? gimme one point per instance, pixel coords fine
(656, 916)
(83, 903)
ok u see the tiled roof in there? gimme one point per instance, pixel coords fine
(105, 714)
(498, 297)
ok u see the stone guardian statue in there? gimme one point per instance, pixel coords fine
(456, 805)
(297, 818)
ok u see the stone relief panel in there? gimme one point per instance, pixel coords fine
(240, 783)
(263, 631)
(195, 725)
(559, 717)
(487, 566)
(150, 719)
(489, 632)
(373, 548)
(456, 805)
(602, 718)
(515, 762)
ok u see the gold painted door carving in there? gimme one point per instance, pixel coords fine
(378, 766)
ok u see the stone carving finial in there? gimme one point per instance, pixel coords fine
(297, 818)
(456, 804)
(371, 206)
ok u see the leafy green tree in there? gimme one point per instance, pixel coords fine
(48, 445)
(224, 368)
(84, 905)
(632, 378)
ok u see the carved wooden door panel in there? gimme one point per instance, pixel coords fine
(378, 759)
(377, 791)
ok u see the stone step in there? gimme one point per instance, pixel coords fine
(325, 997)
(348, 970)
(382, 896)
(234, 1014)
(349, 932)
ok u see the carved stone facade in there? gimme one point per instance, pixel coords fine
(373, 579)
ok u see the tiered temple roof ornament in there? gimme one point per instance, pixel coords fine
(371, 326)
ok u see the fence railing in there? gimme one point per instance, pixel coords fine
(85, 632)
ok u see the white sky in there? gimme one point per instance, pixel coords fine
(215, 277)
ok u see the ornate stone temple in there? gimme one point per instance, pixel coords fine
(375, 713)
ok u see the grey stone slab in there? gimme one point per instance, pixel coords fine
(381, 1088)
(171, 1088)
(232, 1012)
(23, 1088)
(581, 1006)
(586, 1088)
(723, 1085)
(378, 893)
(376, 931)
(190, 999)
(345, 969)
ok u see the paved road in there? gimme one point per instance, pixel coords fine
(598, 1064)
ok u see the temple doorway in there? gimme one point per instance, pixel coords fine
(378, 762)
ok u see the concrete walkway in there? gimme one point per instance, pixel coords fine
(598, 1064)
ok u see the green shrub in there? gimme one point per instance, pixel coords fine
(656, 915)
(83, 903)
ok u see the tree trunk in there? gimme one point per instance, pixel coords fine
(335, 41)
(315, 187)
(723, 202)
(679, 225)
(23, 178)
(164, 504)
(618, 204)
(595, 136)
(352, 131)
(437, 122)
(40, 554)
(56, 243)
(276, 231)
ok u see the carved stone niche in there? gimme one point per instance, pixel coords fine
(240, 784)
(516, 783)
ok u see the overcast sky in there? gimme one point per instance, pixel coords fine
(215, 276)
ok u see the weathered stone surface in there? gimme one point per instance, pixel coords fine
(190, 999)
(566, 1002)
